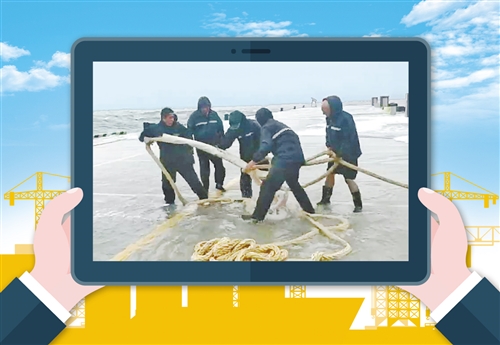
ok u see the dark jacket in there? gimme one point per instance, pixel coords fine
(248, 135)
(170, 153)
(206, 129)
(279, 139)
(341, 134)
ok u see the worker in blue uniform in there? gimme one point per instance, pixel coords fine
(206, 126)
(247, 131)
(288, 158)
(343, 142)
(175, 157)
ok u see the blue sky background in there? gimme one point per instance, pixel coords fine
(36, 39)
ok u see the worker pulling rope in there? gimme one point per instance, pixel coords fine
(226, 249)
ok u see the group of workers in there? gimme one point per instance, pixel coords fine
(257, 138)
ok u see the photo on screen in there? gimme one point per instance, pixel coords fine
(139, 216)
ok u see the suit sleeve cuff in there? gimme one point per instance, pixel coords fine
(45, 297)
(456, 296)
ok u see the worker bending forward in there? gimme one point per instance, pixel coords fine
(343, 142)
(247, 131)
(288, 158)
(206, 127)
(175, 157)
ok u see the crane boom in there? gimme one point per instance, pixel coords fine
(39, 195)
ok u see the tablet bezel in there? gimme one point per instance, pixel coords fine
(86, 271)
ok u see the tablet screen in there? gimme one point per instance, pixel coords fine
(138, 215)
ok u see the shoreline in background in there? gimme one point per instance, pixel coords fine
(129, 123)
(308, 103)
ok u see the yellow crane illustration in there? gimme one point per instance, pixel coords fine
(39, 195)
(297, 291)
(452, 194)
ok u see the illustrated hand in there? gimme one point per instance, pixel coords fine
(448, 251)
(52, 251)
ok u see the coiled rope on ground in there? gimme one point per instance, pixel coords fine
(227, 249)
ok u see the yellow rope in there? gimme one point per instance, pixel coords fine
(227, 249)
(167, 175)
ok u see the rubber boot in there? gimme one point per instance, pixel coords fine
(327, 194)
(250, 218)
(358, 205)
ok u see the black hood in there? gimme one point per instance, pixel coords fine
(237, 119)
(263, 115)
(204, 101)
(335, 104)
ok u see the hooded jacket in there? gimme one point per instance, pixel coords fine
(279, 139)
(206, 129)
(248, 135)
(341, 134)
(170, 154)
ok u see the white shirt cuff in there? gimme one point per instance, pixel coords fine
(456, 296)
(45, 297)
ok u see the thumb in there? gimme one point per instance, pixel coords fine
(449, 218)
(55, 209)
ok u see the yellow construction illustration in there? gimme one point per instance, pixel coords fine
(452, 194)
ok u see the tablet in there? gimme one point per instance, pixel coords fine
(144, 218)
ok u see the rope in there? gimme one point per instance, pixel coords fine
(349, 165)
(167, 175)
(227, 249)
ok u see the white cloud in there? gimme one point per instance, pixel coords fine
(491, 60)
(475, 77)
(465, 40)
(439, 74)
(373, 35)
(472, 108)
(8, 52)
(219, 16)
(60, 59)
(490, 91)
(36, 79)
(477, 14)
(428, 10)
(244, 28)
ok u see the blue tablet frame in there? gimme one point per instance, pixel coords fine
(85, 51)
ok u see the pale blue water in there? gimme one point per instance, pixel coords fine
(128, 201)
